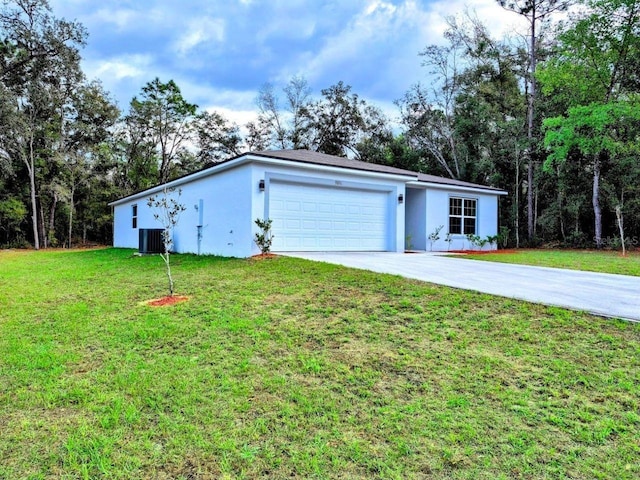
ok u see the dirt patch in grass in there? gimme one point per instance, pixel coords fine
(165, 301)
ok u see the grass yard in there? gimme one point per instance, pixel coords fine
(288, 368)
(589, 260)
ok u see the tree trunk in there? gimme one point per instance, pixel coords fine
(621, 227)
(30, 163)
(560, 208)
(530, 199)
(597, 212)
(71, 214)
(535, 212)
(530, 115)
(517, 215)
(51, 232)
(43, 230)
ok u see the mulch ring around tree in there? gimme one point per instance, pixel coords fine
(165, 301)
(264, 256)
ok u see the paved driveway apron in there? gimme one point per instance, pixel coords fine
(600, 293)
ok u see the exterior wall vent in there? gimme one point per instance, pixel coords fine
(150, 240)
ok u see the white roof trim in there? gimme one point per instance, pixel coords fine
(181, 181)
(461, 188)
(330, 168)
(249, 158)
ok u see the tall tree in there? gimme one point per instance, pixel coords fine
(216, 138)
(165, 118)
(90, 117)
(281, 122)
(590, 72)
(535, 12)
(339, 121)
(39, 62)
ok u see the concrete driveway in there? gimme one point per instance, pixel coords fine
(600, 293)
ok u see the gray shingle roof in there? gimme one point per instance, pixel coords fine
(307, 156)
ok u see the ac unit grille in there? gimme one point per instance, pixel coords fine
(150, 240)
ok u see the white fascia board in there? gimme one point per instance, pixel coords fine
(460, 188)
(258, 159)
(331, 169)
(181, 181)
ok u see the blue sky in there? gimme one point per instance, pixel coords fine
(220, 52)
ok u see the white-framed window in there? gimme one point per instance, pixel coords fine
(134, 216)
(462, 215)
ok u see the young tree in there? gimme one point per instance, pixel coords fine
(167, 210)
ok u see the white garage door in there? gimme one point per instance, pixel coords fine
(316, 218)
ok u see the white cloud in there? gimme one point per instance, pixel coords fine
(200, 31)
(121, 67)
(378, 5)
(121, 18)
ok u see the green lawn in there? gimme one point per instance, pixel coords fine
(589, 260)
(286, 368)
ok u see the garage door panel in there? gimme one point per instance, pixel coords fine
(318, 218)
(325, 208)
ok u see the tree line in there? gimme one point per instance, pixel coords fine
(551, 115)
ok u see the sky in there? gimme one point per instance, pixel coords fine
(220, 52)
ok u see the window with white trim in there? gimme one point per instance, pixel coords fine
(134, 216)
(462, 215)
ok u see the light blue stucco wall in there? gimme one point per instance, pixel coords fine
(416, 219)
(437, 208)
(231, 201)
(226, 223)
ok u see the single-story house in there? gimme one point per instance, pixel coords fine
(317, 202)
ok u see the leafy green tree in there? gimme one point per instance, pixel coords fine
(339, 121)
(12, 213)
(39, 65)
(217, 139)
(589, 75)
(164, 118)
(600, 131)
(535, 12)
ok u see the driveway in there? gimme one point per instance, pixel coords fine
(599, 293)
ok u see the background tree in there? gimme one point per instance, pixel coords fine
(589, 74)
(217, 139)
(39, 65)
(164, 118)
(339, 121)
(281, 123)
(535, 12)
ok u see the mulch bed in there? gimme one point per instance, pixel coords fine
(483, 252)
(168, 300)
(264, 256)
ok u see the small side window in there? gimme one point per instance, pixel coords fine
(134, 216)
